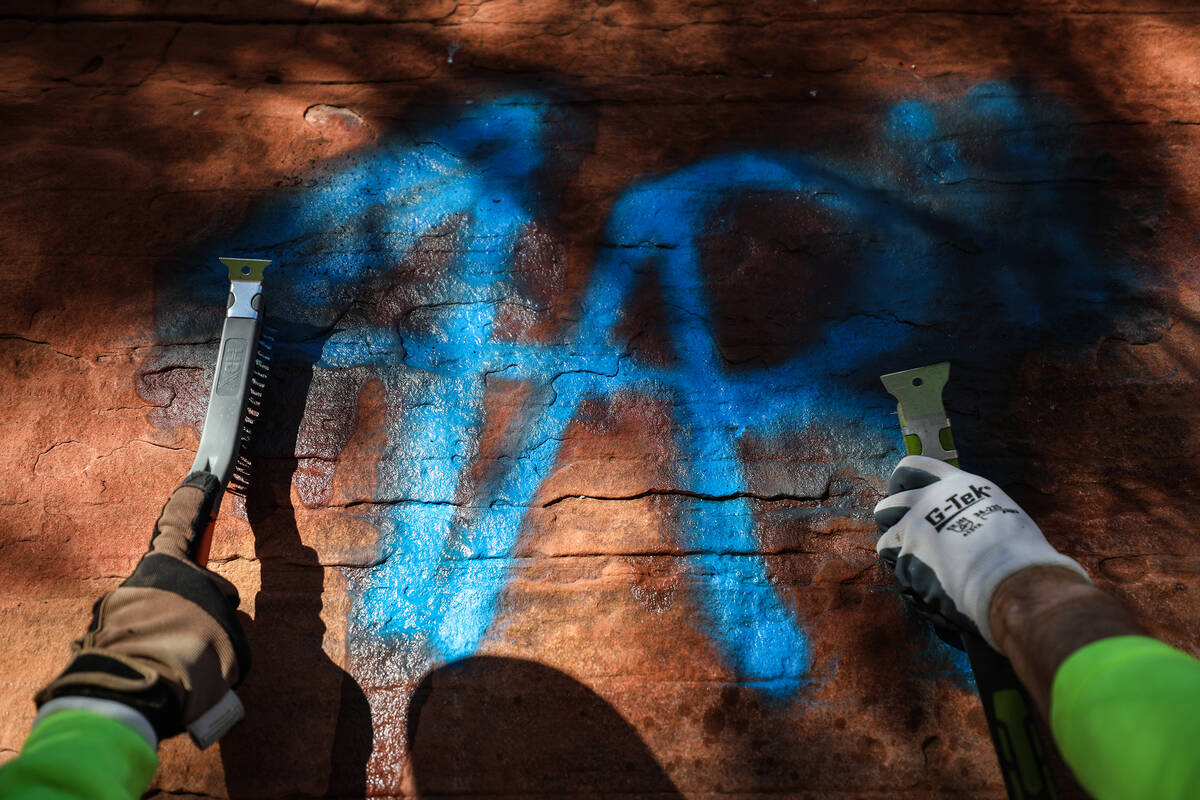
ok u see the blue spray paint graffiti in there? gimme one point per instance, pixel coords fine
(924, 238)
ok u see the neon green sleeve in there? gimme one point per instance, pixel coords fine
(77, 755)
(1125, 713)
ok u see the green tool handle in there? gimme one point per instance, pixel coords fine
(1015, 736)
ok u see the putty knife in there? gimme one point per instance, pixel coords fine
(233, 401)
(1006, 704)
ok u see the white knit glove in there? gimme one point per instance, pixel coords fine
(953, 537)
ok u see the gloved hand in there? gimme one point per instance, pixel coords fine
(167, 641)
(953, 537)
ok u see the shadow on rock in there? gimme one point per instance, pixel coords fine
(502, 726)
(303, 710)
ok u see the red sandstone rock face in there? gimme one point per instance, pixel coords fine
(136, 137)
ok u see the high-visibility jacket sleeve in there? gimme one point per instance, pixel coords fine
(78, 755)
(1125, 713)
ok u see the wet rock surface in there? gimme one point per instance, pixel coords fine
(574, 423)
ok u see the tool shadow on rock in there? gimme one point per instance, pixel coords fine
(506, 726)
(303, 711)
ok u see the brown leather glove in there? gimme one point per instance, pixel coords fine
(167, 641)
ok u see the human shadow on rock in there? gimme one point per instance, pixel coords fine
(302, 709)
(505, 726)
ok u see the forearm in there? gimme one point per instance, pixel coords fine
(1041, 615)
(1122, 706)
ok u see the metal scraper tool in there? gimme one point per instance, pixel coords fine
(237, 385)
(233, 405)
(1006, 704)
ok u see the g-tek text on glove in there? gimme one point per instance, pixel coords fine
(955, 504)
